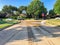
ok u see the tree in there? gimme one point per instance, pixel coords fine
(36, 8)
(22, 8)
(16, 13)
(9, 9)
(57, 7)
(51, 13)
(2, 15)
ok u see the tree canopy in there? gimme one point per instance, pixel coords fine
(9, 9)
(51, 13)
(36, 7)
(57, 7)
(22, 8)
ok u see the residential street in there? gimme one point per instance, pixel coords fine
(26, 33)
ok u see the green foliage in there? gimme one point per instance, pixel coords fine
(36, 7)
(9, 9)
(5, 23)
(57, 7)
(13, 17)
(36, 13)
(16, 13)
(22, 8)
(1, 22)
(23, 17)
(51, 13)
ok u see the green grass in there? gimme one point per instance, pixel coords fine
(53, 22)
(5, 23)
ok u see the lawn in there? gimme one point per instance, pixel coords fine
(5, 23)
(55, 22)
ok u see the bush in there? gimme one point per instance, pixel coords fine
(13, 17)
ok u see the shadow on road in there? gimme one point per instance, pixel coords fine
(21, 33)
(55, 31)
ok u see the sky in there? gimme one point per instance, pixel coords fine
(47, 3)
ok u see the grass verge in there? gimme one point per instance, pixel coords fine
(5, 23)
(53, 22)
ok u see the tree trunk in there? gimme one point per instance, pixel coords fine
(32, 15)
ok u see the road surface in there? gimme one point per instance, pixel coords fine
(26, 33)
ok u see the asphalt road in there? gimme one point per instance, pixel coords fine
(26, 33)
